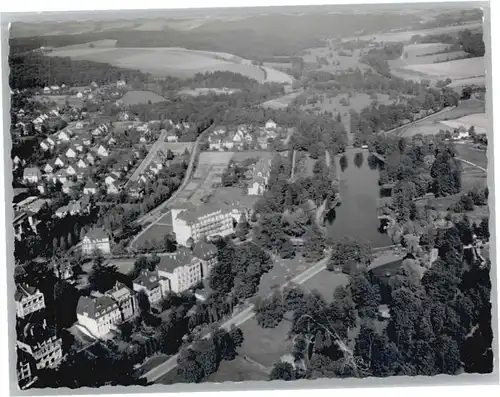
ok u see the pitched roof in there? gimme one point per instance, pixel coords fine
(31, 171)
(147, 279)
(95, 306)
(97, 234)
(204, 250)
(192, 215)
(24, 291)
(169, 263)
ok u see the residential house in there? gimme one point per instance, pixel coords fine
(123, 116)
(99, 314)
(46, 90)
(90, 158)
(102, 151)
(70, 170)
(263, 142)
(112, 188)
(70, 153)
(73, 208)
(59, 162)
(154, 286)
(90, 188)
(271, 125)
(125, 299)
(100, 130)
(79, 125)
(60, 176)
(172, 136)
(46, 144)
(64, 135)
(28, 300)
(109, 180)
(134, 189)
(68, 186)
(32, 175)
(121, 83)
(48, 168)
(82, 164)
(96, 240)
(23, 221)
(260, 177)
(460, 133)
(41, 343)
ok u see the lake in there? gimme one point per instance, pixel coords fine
(356, 217)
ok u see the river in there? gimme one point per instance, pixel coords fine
(356, 217)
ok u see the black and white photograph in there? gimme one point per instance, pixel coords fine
(255, 194)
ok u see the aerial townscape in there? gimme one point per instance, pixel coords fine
(250, 195)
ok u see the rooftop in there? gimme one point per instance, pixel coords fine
(95, 306)
(24, 291)
(147, 279)
(169, 263)
(97, 234)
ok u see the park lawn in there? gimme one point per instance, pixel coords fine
(156, 232)
(137, 97)
(470, 153)
(325, 283)
(265, 345)
(472, 176)
(237, 370)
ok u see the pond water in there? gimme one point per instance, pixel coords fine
(356, 217)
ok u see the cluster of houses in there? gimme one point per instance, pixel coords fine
(244, 136)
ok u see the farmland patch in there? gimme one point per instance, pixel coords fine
(137, 97)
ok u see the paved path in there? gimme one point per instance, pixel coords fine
(147, 160)
(238, 319)
(472, 164)
(156, 214)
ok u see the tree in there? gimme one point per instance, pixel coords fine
(102, 278)
(143, 302)
(270, 312)
(350, 255)
(236, 335)
(282, 371)
(314, 243)
(242, 228)
(446, 173)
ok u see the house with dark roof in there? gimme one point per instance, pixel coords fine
(28, 300)
(99, 314)
(96, 240)
(125, 298)
(153, 285)
(260, 176)
(41, 343)
(90, 188)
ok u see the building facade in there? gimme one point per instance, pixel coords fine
(42, 344)
(28, 300)
(96, 240)
(99, 314)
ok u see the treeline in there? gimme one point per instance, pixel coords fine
(382, 117)
(377, 57)
(36, 70)
(470, 42)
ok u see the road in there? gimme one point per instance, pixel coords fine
(154, 215)
(150, 156)
(238, 319)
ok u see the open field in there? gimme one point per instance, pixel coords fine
(407, 35)
(172, 61)
(265, 345)
(237, 370)
(459, 83)
(157, 232)
(432, 125)
(136, 97)
(325, 282)
(177, 148)
(472, 176)
(458, 69)
(479, 121)
(281, 102)
(470, 153)
(333, 56)
(207, 91)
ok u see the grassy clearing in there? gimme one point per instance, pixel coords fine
(432, 125)
(265, 345)
(281, 102)
(479, 121)
(177, 148)
(458, 69)
(470, 153)
(397, 37)
(237, 370)
(154, 233)
(325, 282)
(136, 97)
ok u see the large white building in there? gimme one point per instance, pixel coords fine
(41, 343)
(101, 313)
(28, 300)
(98, 314)
(185, 269)
(194, 224)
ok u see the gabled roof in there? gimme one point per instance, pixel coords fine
(31, 171)
(24, 291)
(148, 280)
(169, 263)
(97, 234)
(95, 307)
(204, 250)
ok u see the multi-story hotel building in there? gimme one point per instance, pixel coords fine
(197, 224)
(186, 268)
(98, 314)
(28, 300)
